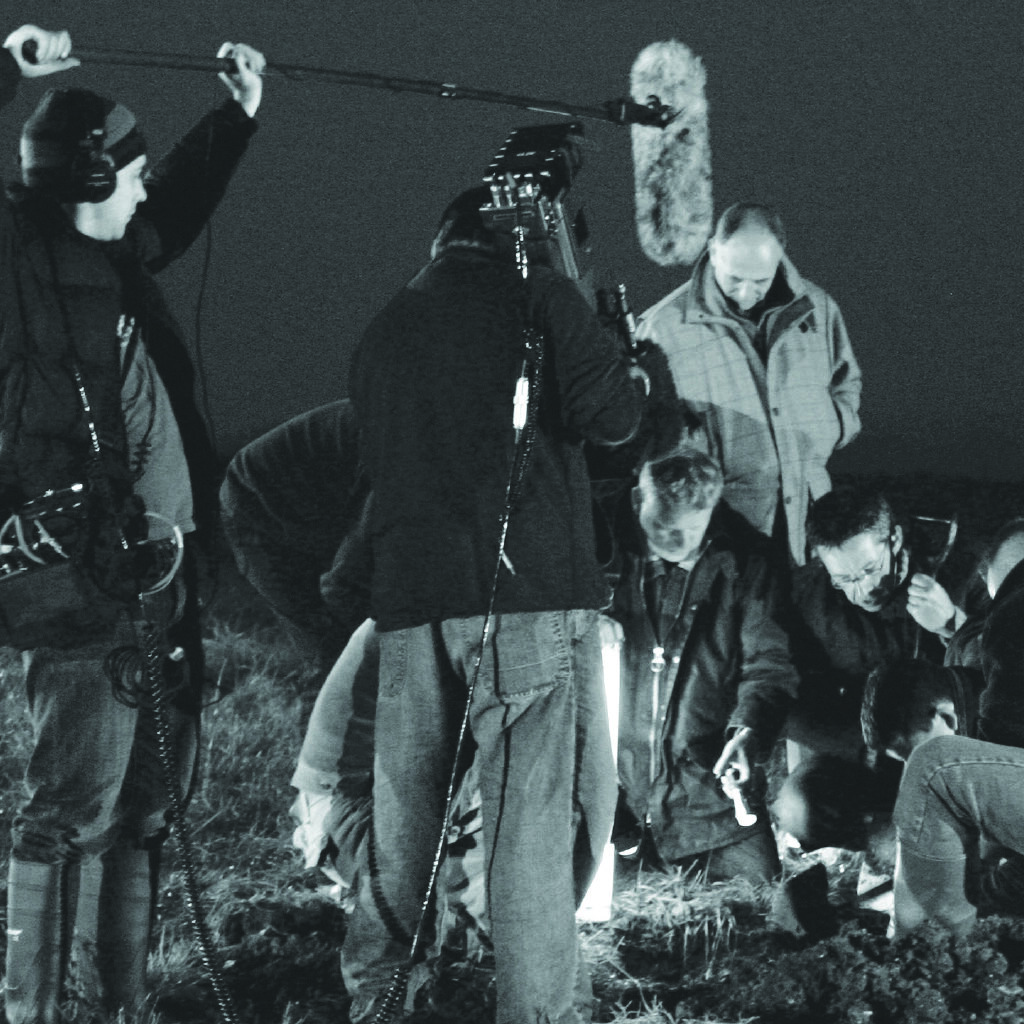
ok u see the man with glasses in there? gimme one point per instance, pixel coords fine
(877, 591)
(960, 805)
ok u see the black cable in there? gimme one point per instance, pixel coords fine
(204, 277)
(124, 668)
(156, 692)
(204, 391)
(212, 550)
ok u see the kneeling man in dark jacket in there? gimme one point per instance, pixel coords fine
(708, 678)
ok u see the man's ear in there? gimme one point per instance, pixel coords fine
(897, 538)
(949, 716)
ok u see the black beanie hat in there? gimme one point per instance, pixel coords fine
(462, 221)
(65, 126)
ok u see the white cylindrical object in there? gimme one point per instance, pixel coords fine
(597, 903)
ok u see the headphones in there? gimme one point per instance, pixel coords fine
(91, 175)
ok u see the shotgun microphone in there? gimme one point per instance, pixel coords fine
(672, 165)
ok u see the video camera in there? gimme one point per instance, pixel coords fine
(530, 178)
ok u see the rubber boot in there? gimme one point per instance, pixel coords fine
(85, 970)
(115, 913)
(40, 914)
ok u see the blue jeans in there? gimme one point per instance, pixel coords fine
(547, 787)
(959, 799)
(94, 779)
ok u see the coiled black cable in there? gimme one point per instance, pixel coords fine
(158, 704)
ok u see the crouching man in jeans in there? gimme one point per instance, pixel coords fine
(960, 811)
(958, 797)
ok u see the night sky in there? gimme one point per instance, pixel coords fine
(887, 132)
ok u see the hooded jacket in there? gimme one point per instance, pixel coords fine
(774, 423)
(61, 296)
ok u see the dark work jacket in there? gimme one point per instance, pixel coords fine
(62, 292)
(1001, 711)
(433, 382)
(727, 665)
(837, 644)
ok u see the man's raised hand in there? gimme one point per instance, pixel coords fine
(40, 52)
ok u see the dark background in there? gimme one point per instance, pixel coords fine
(887, 132)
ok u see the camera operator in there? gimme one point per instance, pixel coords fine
(433, 383)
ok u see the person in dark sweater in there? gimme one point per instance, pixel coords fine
(294, 503)
(433, 382)
(1001, 712)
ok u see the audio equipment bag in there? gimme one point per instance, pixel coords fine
(49, 595)
(73, 559)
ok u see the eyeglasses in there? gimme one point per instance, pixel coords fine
(876, 569)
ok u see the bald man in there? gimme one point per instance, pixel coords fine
(761, 357)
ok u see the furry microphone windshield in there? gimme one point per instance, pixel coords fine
(672, 165)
